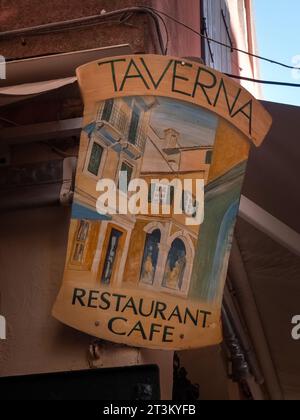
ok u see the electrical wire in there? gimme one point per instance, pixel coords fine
(87, 21)
(56, 150)
(166, 31)
(153, 12)
(259, 57)
(84, 25)
(125, 15)
(231, 47)
(6, 120)
(265, 82)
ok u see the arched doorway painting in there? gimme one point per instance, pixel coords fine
(150, 257)
(175, 266)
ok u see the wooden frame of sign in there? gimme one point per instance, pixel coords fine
(180, 133)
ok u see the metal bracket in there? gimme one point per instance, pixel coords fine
(67, 188)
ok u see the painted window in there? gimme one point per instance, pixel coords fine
(110, 257)
(107, 110)
(150, 257)
(189, 204)
(151, 189)
(208, 157)
(134, 124)
(81, 241)
(161, 194)
(95, 159)
(128, 169)
(175, 266)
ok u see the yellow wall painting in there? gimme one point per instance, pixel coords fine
(155, 278)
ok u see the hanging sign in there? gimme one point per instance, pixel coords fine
(161, 164)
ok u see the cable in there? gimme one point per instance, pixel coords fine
(57, 150)
(166, 30)
(265, 82)
(89, 21)
(6, 120)
(155, 14)
(249, 79)
(222, 43)
(83, 25)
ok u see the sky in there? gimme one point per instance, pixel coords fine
(196, 127)
(278, 36)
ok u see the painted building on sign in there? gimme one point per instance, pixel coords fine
(150, 258)
(151, 139)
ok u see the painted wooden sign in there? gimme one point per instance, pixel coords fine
(161, 164)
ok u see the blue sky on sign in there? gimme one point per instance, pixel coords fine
(278, 36)
(195, 125)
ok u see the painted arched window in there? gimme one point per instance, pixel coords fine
(150, 257)
(175, 266)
